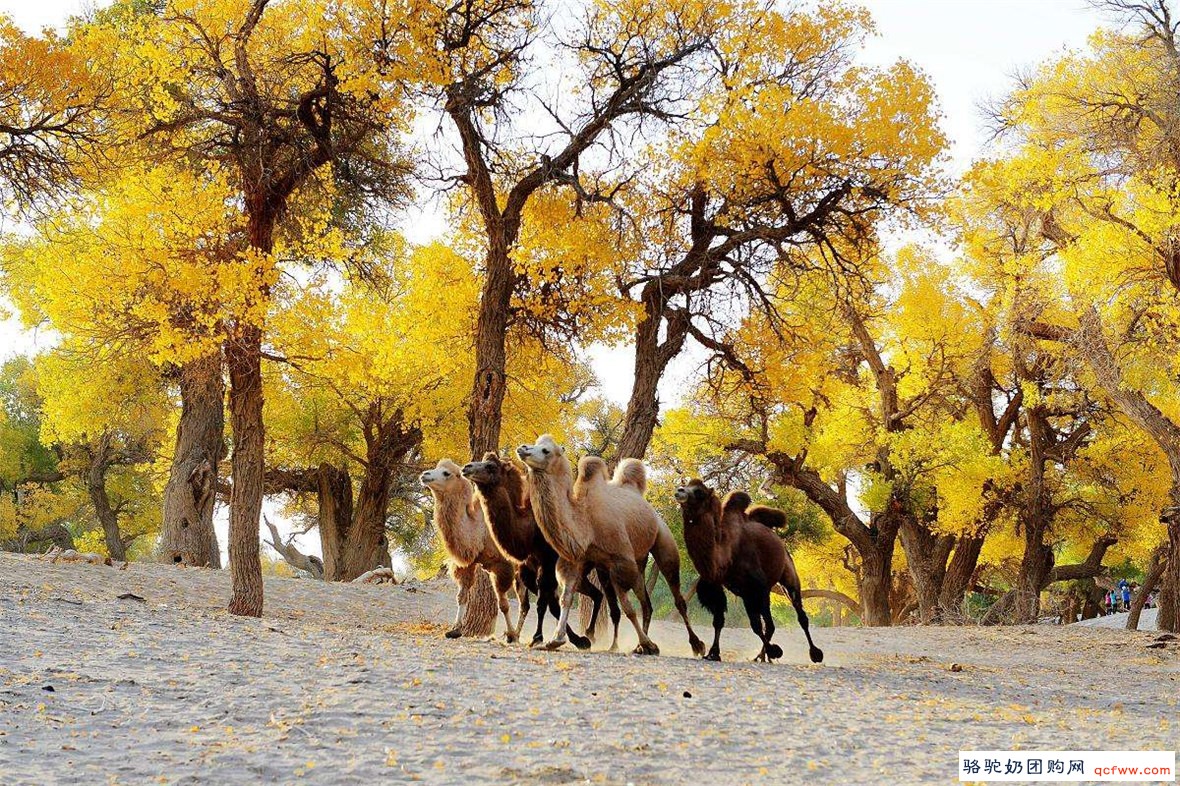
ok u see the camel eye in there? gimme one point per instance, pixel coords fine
(545, 451)
(446, 474)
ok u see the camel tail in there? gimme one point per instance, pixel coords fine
(771, 517)
(631, 472)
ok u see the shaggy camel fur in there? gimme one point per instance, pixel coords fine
(465, 537)
(500, 490)
(733, 546)
(604, 523)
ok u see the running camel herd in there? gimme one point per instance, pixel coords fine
(548, 531)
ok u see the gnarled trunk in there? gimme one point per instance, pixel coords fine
(96, 488)
(926, 555)
(651, 361)
(1155, 571)
(187, 536)
(959, 577)
(485, 408)
(1169, 599)
(874, 581)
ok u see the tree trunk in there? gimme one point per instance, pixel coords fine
(1155, 570)
(334, 494)
(1035, 566)
(244, 358)
(485, 408)
(187, 536)
(876, 576)
(926, 555)
(651, 361)
(1169, 599)
(959, 575)
(96, 487)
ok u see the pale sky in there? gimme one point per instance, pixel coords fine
(969, 48)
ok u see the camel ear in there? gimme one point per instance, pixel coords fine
(491, 456)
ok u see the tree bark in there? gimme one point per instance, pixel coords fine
(244, 359)
(959, 576)
(651, 361)
(876, 578)
(1155, 571)
(96, 488)
(187, 536)
(926, 555)
(1169, 613)
(334, 495)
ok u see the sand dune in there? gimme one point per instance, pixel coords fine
(354, 684)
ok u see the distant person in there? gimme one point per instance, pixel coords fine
(1126, 597)
(1110, 602)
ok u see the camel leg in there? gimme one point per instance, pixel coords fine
(625, 575)
(643, 595)
(754, 612)
(522, 597)
(612, 603)
(568, 574)
(464, 580)
(503, 579)
(773, 651)
(587, 588)
(546, 600)
(796, 596)
(712, 597)
(668, 560)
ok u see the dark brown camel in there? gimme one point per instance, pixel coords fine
(733, 546)
(500, 489)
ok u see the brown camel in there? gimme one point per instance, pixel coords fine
(465, 537)
(733, 546)
(500, 490)
(607, 524)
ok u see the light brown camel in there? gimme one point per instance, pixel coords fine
(465, 537)
(607, 524)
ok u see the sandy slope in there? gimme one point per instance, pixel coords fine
(344, 684)
(1148, 620)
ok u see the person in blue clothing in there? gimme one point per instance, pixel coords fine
(1126, 596)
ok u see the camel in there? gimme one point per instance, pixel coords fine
(604, 523)
(734, 547)
(500, 490)
(465, 537)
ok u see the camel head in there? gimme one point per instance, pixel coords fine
(444, 478)
(695, 498)
(541, 455)
(489, 472)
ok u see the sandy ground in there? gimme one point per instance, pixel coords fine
(348, 684)
(1148, 620)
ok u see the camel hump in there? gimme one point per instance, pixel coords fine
(771, 517)
(736, 502)
(631, 472)
(591, 467)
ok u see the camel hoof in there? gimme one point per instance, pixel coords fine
(698, 646)
(554, 645)
(510, 638)
(581, 642)
(773, 652)
(714, 655)
(649, 648)
(454, 633)
(538, 639)
(817, 655)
